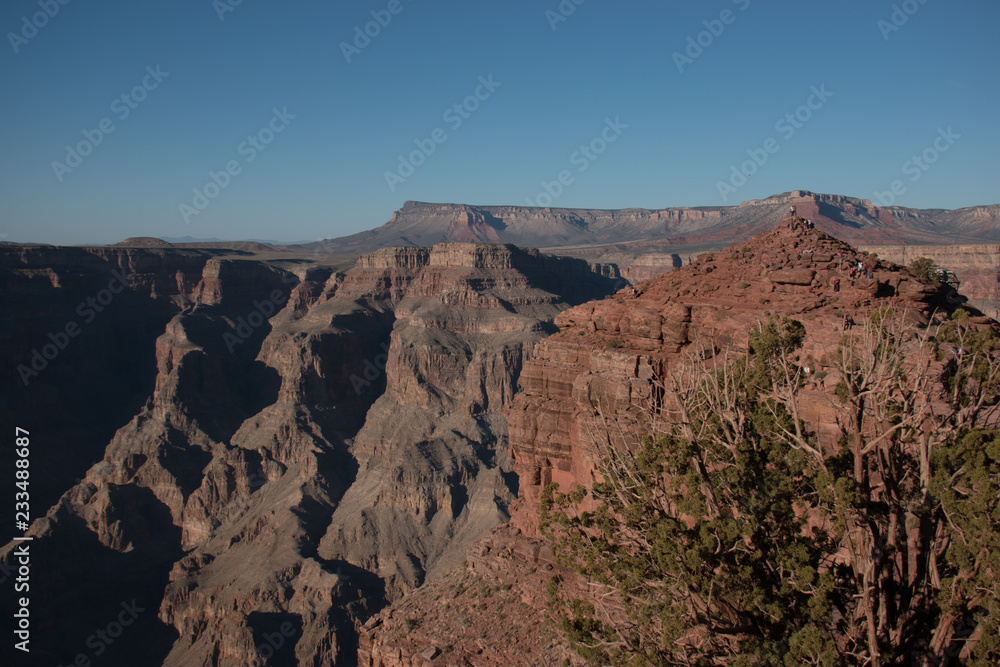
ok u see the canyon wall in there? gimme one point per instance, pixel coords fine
(256, 457)
(297, 446)
(594, 385)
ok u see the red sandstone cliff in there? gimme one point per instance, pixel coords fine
(304, 444)
(976, 267)
(602, 368)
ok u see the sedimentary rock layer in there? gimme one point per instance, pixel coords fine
(594, 384)
(300, 444)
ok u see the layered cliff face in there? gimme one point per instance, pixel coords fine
(594, 233)
(642, 244)
(601, 367)
(433, 464)
(80, 326)
(597, 378)
(305, 444)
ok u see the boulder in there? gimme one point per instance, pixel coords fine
(792, 276)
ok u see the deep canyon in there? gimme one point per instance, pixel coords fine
(277, 457)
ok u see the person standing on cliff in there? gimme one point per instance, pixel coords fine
(836, 284)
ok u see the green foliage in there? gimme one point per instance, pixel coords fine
(924, 270)
(711, 535)
(552, 589)
(581, 628)
(966, 482)
(613, 344)
(732, 538)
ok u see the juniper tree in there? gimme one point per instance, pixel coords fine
(729, 535)
(925, 270)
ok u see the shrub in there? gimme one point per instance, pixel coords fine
(552, 589)
(723, 536)
(925, 271)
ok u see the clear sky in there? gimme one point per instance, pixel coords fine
(208, 84)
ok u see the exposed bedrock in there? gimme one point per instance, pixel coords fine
(305, 444)
(595, 381)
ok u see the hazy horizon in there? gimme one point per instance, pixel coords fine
(216, 239)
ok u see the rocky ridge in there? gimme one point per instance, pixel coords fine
(601, 368)
(608, 351)
(975, 267)
(642, 243)
(312, 442)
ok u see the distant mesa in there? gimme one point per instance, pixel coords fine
(144, 242)
(608, 235)
(593, 232)
(153, 242)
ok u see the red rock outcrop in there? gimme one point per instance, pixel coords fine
(600, 372)
(603, 363)
(976, 267)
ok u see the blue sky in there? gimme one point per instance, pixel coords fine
(680, 126)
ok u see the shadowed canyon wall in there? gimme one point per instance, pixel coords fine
(254, 457)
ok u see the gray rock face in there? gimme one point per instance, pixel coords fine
(314, 444)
